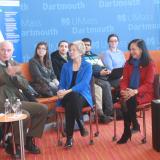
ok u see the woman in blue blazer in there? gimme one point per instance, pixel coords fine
(74, 89)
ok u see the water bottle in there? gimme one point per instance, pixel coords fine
(7, 107)
(18, 106)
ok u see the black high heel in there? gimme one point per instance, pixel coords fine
(69, 143)
(124, 138)
(136, 129)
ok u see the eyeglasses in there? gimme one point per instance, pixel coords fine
(6, 50)
(43, 49)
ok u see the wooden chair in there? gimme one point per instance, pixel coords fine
(60, 110)
(140, 108)
(49, 101)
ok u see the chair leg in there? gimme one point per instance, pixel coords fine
(114, 120)
(97, 127)
(144, 128)
(62, 125)
(13, 141)
(90, 125)
(59, 143)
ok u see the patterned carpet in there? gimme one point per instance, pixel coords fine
(103, 149)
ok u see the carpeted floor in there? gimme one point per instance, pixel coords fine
(103, 149)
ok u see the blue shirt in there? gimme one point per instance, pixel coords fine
(114, 59)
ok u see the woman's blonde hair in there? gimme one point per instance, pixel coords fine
(80, 46)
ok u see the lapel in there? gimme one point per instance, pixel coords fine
(81, 67)
(70, 72)
(81, 70)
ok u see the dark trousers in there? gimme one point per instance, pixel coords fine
(37, 115)
(114, 83)
(73, 103)
(129, 113)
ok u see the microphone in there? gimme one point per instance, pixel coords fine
(10, 76)
(6, 62)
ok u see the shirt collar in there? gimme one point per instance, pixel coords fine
(2, 63)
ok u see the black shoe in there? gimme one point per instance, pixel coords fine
(83, 132)
(125, 137)
(9, 150)
(136, 129)
(69, 143)
(31, 147)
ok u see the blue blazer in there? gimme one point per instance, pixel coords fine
(83, 79)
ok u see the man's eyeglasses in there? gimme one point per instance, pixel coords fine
(6, 50)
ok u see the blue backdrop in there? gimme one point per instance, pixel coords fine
(10, 28)
(54, 20)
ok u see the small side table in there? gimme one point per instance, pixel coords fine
(10, 118)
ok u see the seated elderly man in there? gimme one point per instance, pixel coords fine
(37, 113)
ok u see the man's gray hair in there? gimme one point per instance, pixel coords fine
(7, 42)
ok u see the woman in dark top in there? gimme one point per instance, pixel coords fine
(136, 87)
(75, 89)
(44, 79)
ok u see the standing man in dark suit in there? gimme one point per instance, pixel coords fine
(60, 57)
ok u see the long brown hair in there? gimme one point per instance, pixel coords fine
(46, 57)
(145, 57)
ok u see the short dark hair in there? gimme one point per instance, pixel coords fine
(112, 35)
(145, 57)
(62, 42)
(87, 40)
